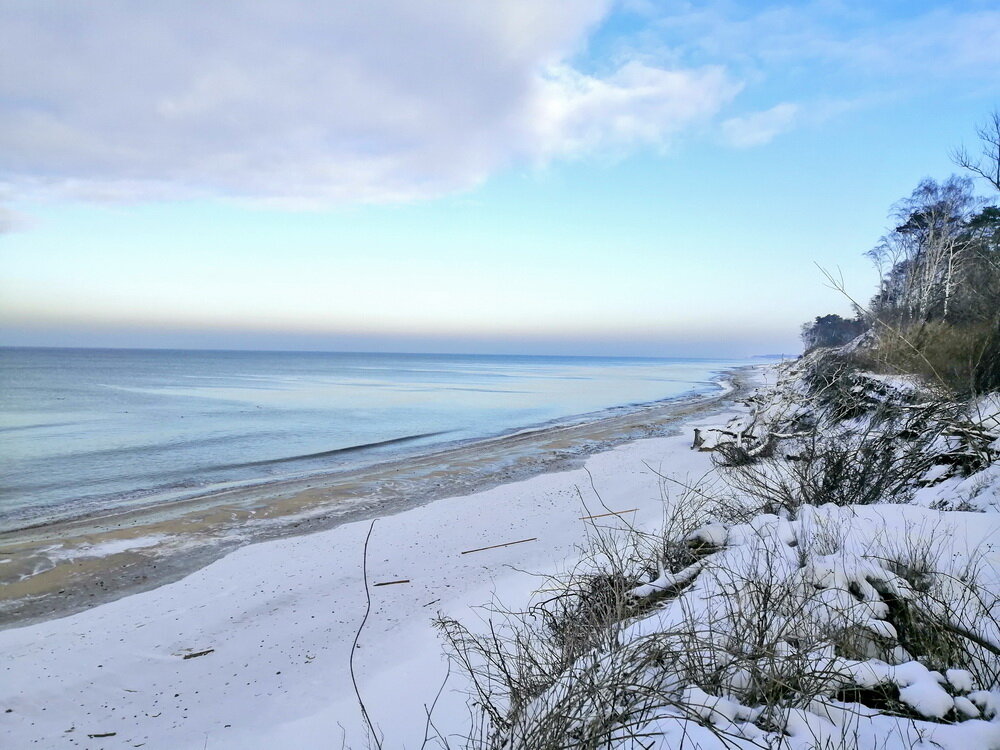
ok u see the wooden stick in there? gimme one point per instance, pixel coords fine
(506, 544)
(196, 654)
(391, 583)
(612, 513)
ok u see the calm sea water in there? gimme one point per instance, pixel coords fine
(84, 429)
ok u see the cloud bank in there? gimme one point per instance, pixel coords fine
(759, 128)
(314, 102)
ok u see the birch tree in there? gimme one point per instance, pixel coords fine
(923, 256)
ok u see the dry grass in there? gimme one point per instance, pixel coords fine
(964, 359)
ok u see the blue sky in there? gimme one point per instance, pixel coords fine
(644, 178)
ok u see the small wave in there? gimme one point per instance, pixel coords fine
(140, 450)
(14, 490)
(39, 426)
(440, 389)
(325, 454)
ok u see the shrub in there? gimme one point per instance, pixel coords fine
(964, 359)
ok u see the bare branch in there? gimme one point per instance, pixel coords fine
(987, 166)
(357, 637)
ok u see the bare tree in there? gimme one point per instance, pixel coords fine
(987, 165)
(926, 250)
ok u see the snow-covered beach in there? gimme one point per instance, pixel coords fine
(262, 647)
(274, 622)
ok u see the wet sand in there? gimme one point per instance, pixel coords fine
(58, 569)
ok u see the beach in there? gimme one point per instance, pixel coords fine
(227, 643)
(64, 550)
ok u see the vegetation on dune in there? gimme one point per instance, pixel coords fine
(780, 605)
(937, 311)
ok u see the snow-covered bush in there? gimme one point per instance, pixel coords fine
(832, 622)
(802, 603)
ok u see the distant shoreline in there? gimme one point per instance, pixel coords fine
(55, 569)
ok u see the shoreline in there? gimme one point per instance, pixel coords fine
(58, 569)
(166, 499)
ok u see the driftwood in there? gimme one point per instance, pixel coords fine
(196, 654)
(505, 544)
(612, 513)
(699, 438)
(392, 583)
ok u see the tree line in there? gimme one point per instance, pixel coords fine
(937, 310)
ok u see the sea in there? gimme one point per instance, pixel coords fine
(86, 431)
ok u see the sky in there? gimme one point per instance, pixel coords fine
(500, 176)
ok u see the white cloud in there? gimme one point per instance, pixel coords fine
(890, 41)
(315, 102)
(758, 128)
(830, 56)
(637, 104)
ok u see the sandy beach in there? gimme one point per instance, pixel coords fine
(252, 650)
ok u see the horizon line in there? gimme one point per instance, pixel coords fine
(387, 353)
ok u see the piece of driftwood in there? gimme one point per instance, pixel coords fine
(612, 513)
(392, 583)
(196, 654)
(505, 544)
(102, 734)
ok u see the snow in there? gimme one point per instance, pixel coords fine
(110, 547)
(276, 621)
(667, 581)
(959, 679)
(713, 535)
(919, 688)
